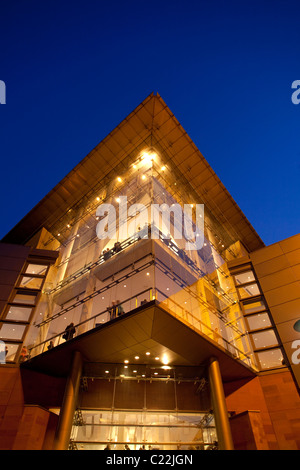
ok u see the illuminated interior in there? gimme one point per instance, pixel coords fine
(150, 263)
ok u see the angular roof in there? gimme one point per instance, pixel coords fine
(151, 122)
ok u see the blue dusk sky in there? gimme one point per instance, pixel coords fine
(74, 70)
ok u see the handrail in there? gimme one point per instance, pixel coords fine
(86, 321)
(227, 343)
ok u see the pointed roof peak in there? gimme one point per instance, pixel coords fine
(150, 124)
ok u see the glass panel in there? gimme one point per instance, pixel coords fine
(256, 306)
(243, 278)
(256, 322)
(31, 282)
(24, 298)
(18, 313)
(11, 331)
(271, 359)
(264, 339)
(10, 351)
(143, 430)
(248, 291)
(3, 352)
(36, 269)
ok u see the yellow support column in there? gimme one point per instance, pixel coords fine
(219, 406)
(67, 411)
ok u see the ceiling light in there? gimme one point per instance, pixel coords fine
(126, 361)
(107, 371)
(137, 357)
(163, 168)
(119, 179)
(118, 199)
(143, 177)
(134, 371)
(147, 353)
(97, 198)
(165, 359)
(148, 157)
(157, 358)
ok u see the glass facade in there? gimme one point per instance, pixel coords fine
(143, 430)
(20, 310)
(113, 261)
(264, 339)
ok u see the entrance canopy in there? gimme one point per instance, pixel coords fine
(147, 335)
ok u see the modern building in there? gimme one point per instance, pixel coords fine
(126, 320)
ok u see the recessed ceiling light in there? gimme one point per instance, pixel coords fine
(134, 371)
(126, 361)
(107, 371)
(137, 357)
(147, 353)
(157, 358)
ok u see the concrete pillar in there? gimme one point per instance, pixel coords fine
(219, 406)
(63, 431)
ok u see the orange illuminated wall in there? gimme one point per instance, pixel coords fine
(272, 400)
(25, 424)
